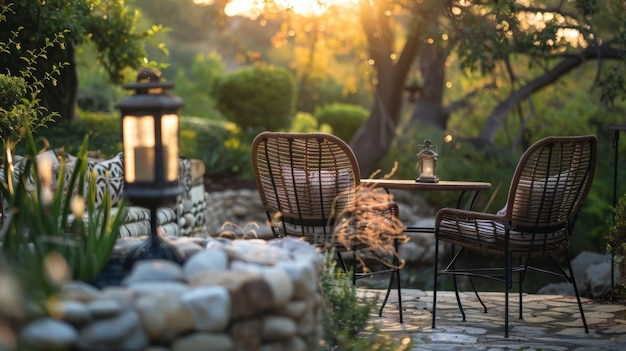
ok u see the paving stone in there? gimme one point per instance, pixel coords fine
(551, 322)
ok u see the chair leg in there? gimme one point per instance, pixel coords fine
(353, 267)
(521, 275)
(435, 275)
(395, 273)
(458, 297)
(342, 262)
(456, 286)
(580, 306)
(471, 280)
(508, 282)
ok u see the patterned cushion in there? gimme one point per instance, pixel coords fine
(109, 177)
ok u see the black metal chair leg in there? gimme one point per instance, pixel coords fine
(436, 274)
(580, 306)
(521, 287)
(391, 279)
(395, 274)
(456, 286)
(508, 283)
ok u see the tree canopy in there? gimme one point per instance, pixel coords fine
(518, 46)
(110, 24)
(493, 38)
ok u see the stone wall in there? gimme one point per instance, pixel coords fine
(229, 295)
(244, 215)
(239, 213)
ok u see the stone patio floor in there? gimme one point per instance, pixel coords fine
(551, 322)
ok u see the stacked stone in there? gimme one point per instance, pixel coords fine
(238, 213)
(231, 295)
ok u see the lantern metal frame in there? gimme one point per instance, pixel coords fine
(150, 133)
(427, 161)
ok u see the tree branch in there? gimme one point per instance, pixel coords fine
(500, 113)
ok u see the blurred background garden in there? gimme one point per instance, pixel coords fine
(482, 80)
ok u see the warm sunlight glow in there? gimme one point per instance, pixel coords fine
(253, 8)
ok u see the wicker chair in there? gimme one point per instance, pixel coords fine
(547, 191)
(309, 184)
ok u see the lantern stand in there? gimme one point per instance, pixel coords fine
(151, 157)
(427, 159)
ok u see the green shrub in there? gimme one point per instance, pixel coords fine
(345, 315)
(305, 122)
(259, 97)
(222, 146)
(317, 92)
(20, 107)
(198, 85)
(344, 119)
(12, 89)
(96, 93)
(104, 131)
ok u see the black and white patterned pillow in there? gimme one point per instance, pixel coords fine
(109, 177)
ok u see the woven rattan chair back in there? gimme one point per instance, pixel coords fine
(305, 180)
(548, 187)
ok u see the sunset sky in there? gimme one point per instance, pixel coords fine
(252, 8)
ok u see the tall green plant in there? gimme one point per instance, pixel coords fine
(50, 235)
(345, 316)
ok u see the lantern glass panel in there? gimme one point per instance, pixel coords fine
(428, 167)
(138, 148)
(169, 129)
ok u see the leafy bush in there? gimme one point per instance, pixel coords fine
(198, 86)
(104, 131)
(20, 107)
(345, 316)
(316, 92)
(222, 146)
(616, 238)
(12, 90)
(305, 122)
(96, 93)
(344, 119)
(258, 97)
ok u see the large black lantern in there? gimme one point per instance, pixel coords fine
(151, 155)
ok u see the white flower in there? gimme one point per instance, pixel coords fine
(77, 206)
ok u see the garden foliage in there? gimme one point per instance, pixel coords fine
(344, 119)
(52, 230)
(258, 97)
(346, 315)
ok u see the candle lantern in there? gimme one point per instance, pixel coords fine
(151, 155)
(427, 160)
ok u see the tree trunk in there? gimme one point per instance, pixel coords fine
(63, 96)
(429, 103)
(372, 141)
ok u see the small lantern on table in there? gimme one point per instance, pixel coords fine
(427, 160)
(151, 156)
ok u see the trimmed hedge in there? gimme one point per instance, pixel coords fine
(344, 119)
(259, 97)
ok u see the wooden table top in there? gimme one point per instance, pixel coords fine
(442, 185)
